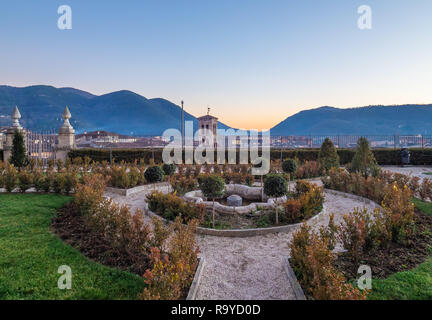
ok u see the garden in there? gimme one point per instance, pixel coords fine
(62, 214)
(392, 239)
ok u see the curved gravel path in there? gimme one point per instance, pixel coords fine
(418, 171)
(249, 268)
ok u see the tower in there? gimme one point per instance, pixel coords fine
(207, 124)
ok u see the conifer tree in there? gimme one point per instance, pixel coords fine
(364, 161)
(19, 154)
(328, 157)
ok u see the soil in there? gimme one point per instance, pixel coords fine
(398, 257)
(71, 227)
(253, 220)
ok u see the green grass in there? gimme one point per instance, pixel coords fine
(415, 284)
(425, 207)
(30, 256)
(427, 173)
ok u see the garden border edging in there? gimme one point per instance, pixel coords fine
(193, 290)
(160, 186)
(245, 233)
(241, 233)
(295, 285)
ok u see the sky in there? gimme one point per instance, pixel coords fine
(253, 62)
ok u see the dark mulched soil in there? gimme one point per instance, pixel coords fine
(71, 227)
(398, 257)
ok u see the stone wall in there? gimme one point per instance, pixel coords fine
(164, 187)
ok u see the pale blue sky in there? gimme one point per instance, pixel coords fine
(255, 62)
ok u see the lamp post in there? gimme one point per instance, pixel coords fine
(182, 125)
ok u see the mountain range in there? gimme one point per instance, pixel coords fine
(126, 112)
(371, 120)
(123, 112)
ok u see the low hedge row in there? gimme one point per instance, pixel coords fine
(383, 156)
(118, 155)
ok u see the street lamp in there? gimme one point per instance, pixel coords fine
(182, 125)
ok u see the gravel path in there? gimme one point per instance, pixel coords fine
(249, 268)
(418, 171)
(252, 268)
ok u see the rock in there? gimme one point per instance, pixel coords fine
(234, 201)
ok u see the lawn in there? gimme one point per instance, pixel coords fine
(415, 284)
(31, 255)
(425, 207)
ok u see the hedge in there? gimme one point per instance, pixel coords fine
(118, 155)
(384, 156)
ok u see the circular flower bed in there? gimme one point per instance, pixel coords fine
(298, 206)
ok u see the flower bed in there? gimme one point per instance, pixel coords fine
(391, 238)
(113, 235)
(254, 219)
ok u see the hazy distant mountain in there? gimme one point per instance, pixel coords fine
(125, 112)
(404, 119)
(122, 112)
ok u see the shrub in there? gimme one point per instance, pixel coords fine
(309, 201)
(303, 187)
(172, 272)
(10, 178)
(398, 202)
(134, 176)
(89, 194)
(275, 186)
(212, 186)
(293, 212)
(60, 164)
(289, 166)
(353, 232)
(154, 174)
(298, 246)
(329, 232)
(419, 156)
(25, 180)
(425, 189)
(364, 161)
(1, 175)
(71, 181)
(312, 262)
(38, 180)
(59, 183)
(309, 169)
(328, 157)
(182, 184)
(328, 283)
(119, 177)
(169, 169)
(48, 181)
(169, 206)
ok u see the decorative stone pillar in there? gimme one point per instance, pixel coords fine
(66, 137)
(16, 126)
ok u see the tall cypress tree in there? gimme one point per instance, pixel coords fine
(19, 154)
(364, 160)
(328, 157)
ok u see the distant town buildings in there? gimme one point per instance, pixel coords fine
(105, 139)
